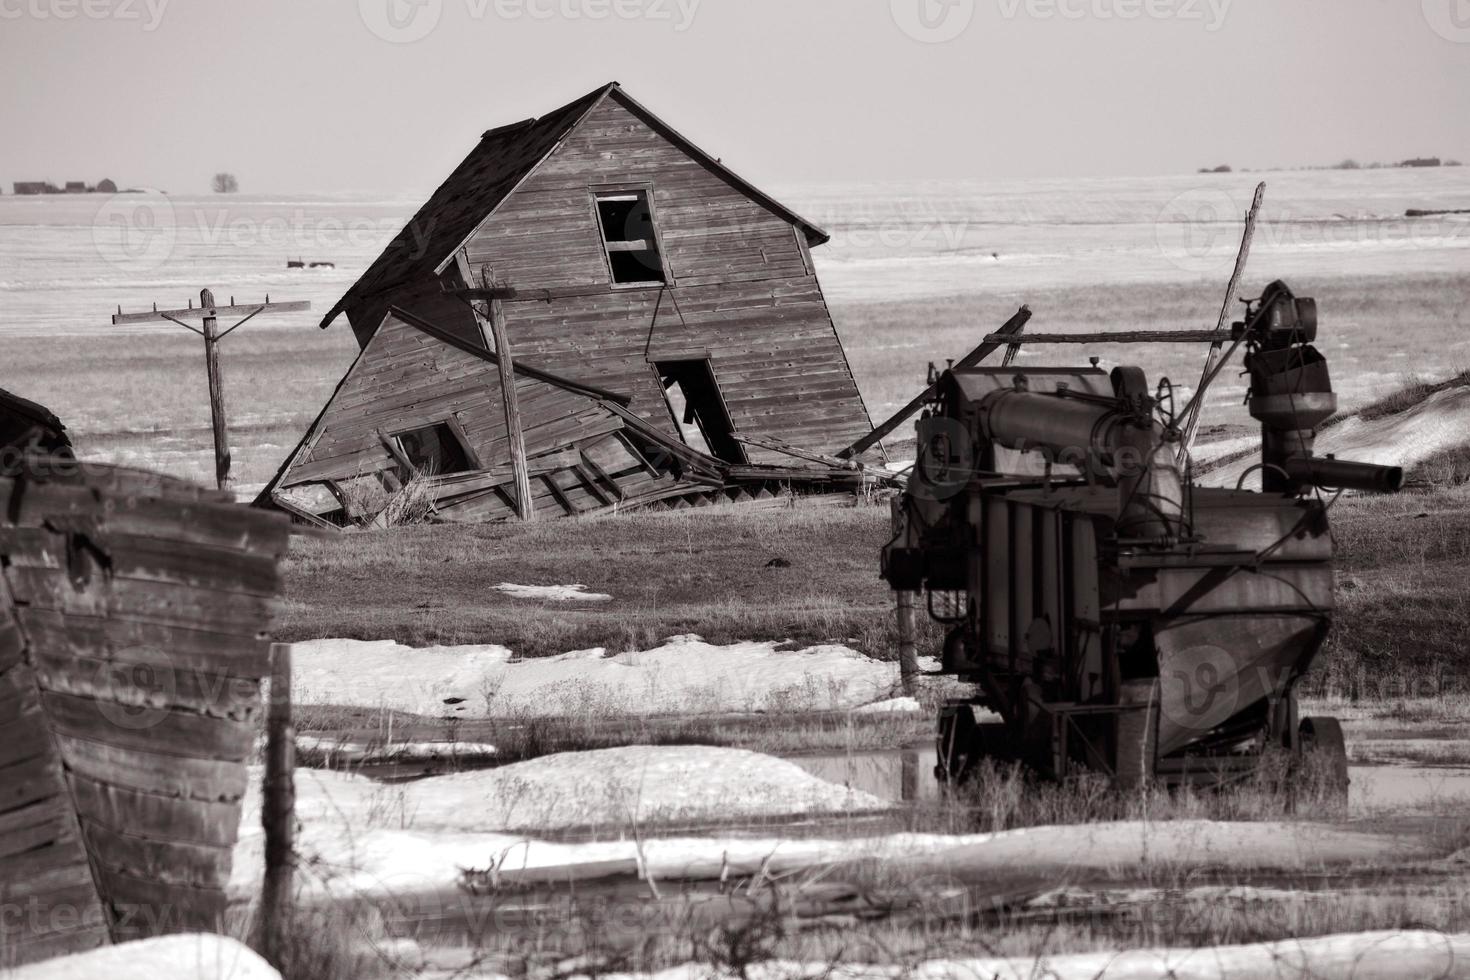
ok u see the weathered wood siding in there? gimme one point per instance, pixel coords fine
(133, 618)
(407, 378)
(741, 292)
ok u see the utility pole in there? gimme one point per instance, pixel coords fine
(209, 314)
(494, 316)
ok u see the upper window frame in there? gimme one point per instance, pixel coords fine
(595, 192)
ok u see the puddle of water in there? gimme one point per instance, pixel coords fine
(1408, 788)
(907, 775)
(901, 775)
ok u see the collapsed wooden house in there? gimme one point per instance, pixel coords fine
(590, 313)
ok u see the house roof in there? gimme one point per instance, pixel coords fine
(498, 164)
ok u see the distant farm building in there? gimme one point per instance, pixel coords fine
(658, 320)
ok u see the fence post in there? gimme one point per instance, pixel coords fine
(908, 658)
(277, 812)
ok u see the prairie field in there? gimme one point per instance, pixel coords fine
(140, 398)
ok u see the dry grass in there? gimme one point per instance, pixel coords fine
(1415, 390)
(1403, 612)
(704, 571)
(521, 734)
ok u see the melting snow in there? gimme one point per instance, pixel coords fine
(685, 674)
(198, 957)
(360, 835)
(552, 593)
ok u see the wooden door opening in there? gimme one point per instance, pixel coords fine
(698, 409)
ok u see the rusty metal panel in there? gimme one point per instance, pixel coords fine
(998, 575)
(1023, 570)
(1274, 589)
(1296, 530)
(1086, 608)
(1212, 667)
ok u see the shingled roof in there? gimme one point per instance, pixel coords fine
(497, 165)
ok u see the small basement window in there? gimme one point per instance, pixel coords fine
(628, 237)
(434, 450)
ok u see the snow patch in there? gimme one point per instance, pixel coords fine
(198, 957)
(358, 835)
(685, 674)
(1364, 955)
(892, 704)
(552, 593)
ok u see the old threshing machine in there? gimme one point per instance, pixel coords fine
(1116, 617)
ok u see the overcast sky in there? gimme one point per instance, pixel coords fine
(386, 95)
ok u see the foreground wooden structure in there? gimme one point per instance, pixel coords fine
(591, 313)
(133, 617)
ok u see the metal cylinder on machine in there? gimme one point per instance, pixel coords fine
(1087, 433)
(1342, 474)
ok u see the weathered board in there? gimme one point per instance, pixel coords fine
(133, 619)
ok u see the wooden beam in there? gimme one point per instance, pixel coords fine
(396, 451)
(1191, 422)
(590, 483)
(303, 514)
(278, 812)
(525, 506)
(602, 475)
(1117, 337)
(559, 494)
(245, 309)
(777, 446)
(1011, 327)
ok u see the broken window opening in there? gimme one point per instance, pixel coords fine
(433, 450)
(698, 410)
(626, 221)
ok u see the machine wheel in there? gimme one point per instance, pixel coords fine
(1324, 756)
